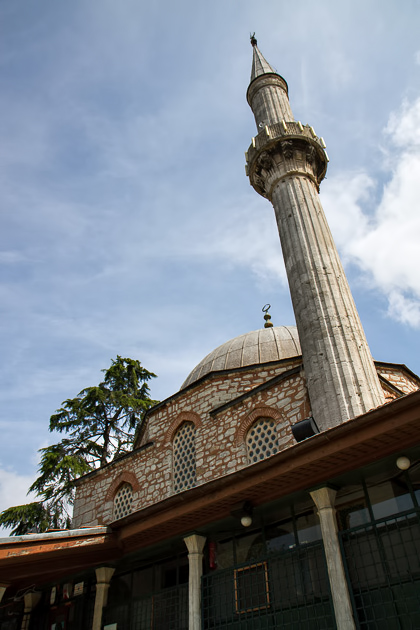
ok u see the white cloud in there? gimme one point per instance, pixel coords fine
(386, 244)
(13, 491)
(404, 126)
(403, 309)
(343, 200)
(241, 236)
(251, 240)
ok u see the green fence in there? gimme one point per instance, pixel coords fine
(288, 590)
(165, 610)
(383, 566)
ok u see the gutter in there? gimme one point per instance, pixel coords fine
(57, 535)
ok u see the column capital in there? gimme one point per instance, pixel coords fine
(31, 600)
(195, 543)
(104, 574)
(103, 578)
(3, 587)
(324, 497)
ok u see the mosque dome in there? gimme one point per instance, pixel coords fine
(253, 348)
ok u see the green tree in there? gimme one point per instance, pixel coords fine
(100, 425)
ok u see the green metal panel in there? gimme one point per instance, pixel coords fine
(288, 590)
(163, 610)
(383, 566)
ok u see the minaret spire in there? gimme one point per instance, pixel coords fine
(259, 64)
(286, 163)
(267, 93)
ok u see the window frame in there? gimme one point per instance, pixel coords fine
(240, 610)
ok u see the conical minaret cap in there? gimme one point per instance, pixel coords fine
(267, 93)
(259, 64)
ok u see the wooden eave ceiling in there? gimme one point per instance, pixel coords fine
(38, 561)
(368, 438)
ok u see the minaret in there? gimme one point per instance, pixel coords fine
(286, 163)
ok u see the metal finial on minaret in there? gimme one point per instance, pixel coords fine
(253, 40)
(267, 316)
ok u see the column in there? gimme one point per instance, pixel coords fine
(30, 600)
(103, 578)
(195, 545)
(324, 499)
(3, 587)
(341, 376)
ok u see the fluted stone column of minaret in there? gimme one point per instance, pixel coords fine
(286, 163)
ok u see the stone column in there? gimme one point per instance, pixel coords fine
(3, 587)
(324, 499)
(103, 578)
(31, 600)
(341, 376)
(195, 545)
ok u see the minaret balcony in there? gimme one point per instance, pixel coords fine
(285, 147)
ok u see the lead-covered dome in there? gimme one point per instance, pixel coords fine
(253, 348)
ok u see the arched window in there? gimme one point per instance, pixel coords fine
(122, 501)
(261, 439)
(184, 457)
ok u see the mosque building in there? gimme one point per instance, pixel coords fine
(278, 488)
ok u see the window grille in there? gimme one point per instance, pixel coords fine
(166, 609)
(184, 457)
(261, 440)
(286, 590)
(383, 564)
(123, 500)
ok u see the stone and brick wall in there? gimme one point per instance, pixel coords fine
(399, 377)
(220, 437)
(223, 406)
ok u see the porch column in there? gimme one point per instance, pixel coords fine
(3, 586)
(195, 545)
(324, 499)
(30, 600)
(103, 578)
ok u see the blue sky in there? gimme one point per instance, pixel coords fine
(127, 223)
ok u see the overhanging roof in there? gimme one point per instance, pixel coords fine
(365, 439)
(379, 433)
(38, 558)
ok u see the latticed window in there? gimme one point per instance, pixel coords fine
(184, 457)
(261, 440)
(123, 500)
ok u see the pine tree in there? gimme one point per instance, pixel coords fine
(100, 425)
